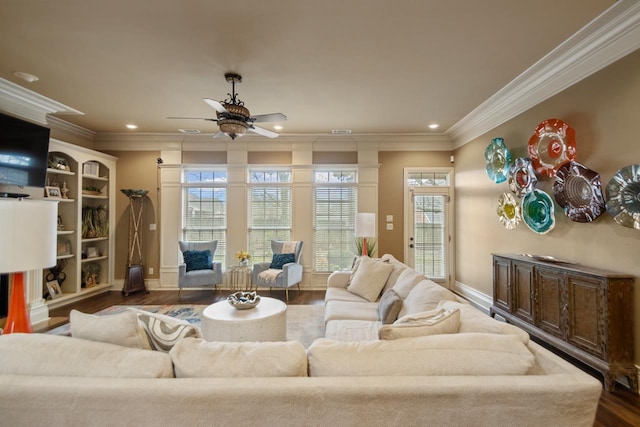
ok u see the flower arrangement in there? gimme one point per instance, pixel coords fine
(243, 255)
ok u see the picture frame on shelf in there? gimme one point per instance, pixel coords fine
(64, 247)
(54, 289)
(92, 252)
(91, 169)
(51, 191)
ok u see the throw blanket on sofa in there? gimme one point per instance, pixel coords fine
(269, 275)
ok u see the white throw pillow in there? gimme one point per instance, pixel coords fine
(370, 278)
(407, 280)
(434, 322)
(164, 331)
(196, 358)
(425, 296)
(120, 329)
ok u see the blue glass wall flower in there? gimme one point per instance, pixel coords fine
(537, 211)
(522, 177)
(498, 159)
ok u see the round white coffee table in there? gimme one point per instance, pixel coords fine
(265, 322)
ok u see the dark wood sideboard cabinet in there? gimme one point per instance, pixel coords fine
(584, 312)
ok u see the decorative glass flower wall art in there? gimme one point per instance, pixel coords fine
(552, 144)
(623, 196)
(508, 211)
(522, 177)
(578, 191)
(537, 211)
(498, 159)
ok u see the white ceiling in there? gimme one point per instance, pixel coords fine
(371, 66)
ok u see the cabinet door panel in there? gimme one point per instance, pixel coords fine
(501, 283)
(523, 291)
(586, 313)
(549, 304)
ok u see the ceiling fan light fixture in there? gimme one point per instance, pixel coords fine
(233, 128)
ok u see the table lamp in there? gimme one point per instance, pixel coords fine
(28, 230)
(365, 227)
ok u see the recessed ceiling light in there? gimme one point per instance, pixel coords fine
(26, 76)
(277, 127)
(132, 126)
(434, 126)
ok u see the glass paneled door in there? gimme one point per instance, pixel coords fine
(429, 234)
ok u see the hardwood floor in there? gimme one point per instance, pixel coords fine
(620, 408)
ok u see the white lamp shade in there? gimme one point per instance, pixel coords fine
(28, 229)
(365, 225)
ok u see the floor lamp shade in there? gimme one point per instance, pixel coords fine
(28, 230)
(365, 227)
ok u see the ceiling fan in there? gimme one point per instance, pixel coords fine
(234, 119)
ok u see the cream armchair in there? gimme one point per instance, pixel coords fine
(279, 273)
(198, 268)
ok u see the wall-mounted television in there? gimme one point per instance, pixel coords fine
(24, 151)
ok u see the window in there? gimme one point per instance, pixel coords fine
(335, 206)
(269, 211)
(204, 214)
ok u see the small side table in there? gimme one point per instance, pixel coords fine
(239, 277)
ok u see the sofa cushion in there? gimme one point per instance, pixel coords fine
(198, 260)
(163, 332)
(389, 307)
(345, 310)
(342, 294)
(407, 280)
(370, 278)
(425, 296)
(352, 330)
(119, 329)
(398, 268)
(279, 260)
(55, 355)
(450, 354)
(473, 320)
(434, 322)
(194, 357)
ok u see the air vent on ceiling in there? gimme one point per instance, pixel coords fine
(341, 131)
(191, 131)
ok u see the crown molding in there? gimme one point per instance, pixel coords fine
(28, 104)
(611, 36)
(69, 128)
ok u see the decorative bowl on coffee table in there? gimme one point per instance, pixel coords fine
(244, 300)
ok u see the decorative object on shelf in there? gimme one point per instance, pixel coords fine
(64, 247)
(548, 258)
(537, 211)
(60, 224)
(56, 273)
(244, 300)
(365, 227)
(90, 274)
(28, 230)
(623, 196)
(498, 159)
(134, 277)
(552, 144)
(91, 191)
(54, 289)
(57, 162)
(243, 257)
(508, 211)
(522, 177)
(91, 169)
(64, 190)
(95, 222)
(578, 191)
(51, 191)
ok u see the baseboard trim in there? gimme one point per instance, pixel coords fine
(479, 299)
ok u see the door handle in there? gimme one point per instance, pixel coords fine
(411, 246)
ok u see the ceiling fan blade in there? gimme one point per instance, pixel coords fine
(216, 105)
(273, 117)
(263, 132)
(194, 118)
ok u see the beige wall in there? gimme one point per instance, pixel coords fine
(137, 170)
(604, 111)
(391, 193)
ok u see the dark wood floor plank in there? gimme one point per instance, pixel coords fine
(619, 408)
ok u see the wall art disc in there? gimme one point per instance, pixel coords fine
(522, 177)
(623, 196)
(552, 144)
(537, 211)
(578, 191)
(508, 211)
(498, 159)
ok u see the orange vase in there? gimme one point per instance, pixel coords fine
(17, 317)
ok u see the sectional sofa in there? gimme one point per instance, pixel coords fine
(381, 363)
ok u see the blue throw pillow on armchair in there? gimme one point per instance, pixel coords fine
(198, 260)
(279, 260)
